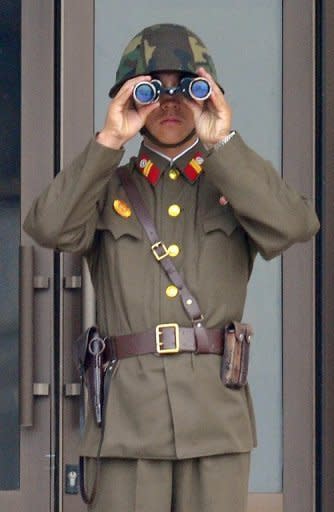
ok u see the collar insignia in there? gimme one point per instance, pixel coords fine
(149, 169)
(191, 169)
(194, 168)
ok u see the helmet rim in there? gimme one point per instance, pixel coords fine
(161, 48)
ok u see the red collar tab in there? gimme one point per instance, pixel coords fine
(191, 169)
(148, 169)
(194, 168)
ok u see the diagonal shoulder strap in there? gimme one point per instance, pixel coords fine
(160, 253)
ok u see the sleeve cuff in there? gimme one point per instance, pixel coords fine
(220, 143)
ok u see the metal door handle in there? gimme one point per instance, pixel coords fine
(41, 389)
(28, 389)
(26, 334)
(72, 389)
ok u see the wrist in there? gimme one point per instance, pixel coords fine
(109, 140)
(219, 143)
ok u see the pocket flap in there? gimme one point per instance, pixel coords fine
(120, 226)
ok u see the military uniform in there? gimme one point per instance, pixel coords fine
(173, 407)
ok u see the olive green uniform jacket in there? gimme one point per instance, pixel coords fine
(171, 406)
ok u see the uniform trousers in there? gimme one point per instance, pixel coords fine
(217, 483)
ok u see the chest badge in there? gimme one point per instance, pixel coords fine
(122, 208)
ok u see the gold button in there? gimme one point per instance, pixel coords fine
(173, 250)
(174, 174)
(171, 291)
(174, 210)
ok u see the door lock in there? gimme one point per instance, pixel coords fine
(71, 479)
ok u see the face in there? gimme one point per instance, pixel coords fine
(173, 120)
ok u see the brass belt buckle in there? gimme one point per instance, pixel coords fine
(160, 344)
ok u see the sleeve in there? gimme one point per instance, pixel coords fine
(273, 214)
(65, 215)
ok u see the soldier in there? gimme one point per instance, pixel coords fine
(176, 438)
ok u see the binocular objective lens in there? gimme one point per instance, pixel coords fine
(144, 93)
(149, 92)
(200, 89)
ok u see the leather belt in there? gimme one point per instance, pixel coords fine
(165, 339)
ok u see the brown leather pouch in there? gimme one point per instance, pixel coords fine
(234, 369)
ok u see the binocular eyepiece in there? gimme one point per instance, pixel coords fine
(146, 92)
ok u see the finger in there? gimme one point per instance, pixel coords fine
(205, 74)
(194, 106)
(126, 90)
(217, 99)
(223, 201)
(145, 110)
(135, 80)
(219, 104)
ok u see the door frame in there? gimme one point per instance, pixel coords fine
(299, 169)
(299, 162)
(325, 267)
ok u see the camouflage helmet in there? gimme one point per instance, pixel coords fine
(162, 47)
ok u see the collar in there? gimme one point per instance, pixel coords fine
(151, 163)
(171, 160)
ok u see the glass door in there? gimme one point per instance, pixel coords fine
(10, 199)
(26, 291)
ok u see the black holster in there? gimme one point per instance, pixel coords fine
(92, 358)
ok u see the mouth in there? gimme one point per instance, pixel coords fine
(171, 120)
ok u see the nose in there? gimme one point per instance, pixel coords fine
(168, 99)
(169, 102)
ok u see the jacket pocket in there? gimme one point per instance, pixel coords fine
(224, 220)
(120, 226)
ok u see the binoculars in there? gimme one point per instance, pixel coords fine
(197, 88)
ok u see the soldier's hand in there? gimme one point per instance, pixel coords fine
(213, 118)
(123, 120)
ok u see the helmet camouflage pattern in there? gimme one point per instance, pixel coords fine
(163, 47)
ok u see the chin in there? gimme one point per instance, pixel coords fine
(170, 138)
